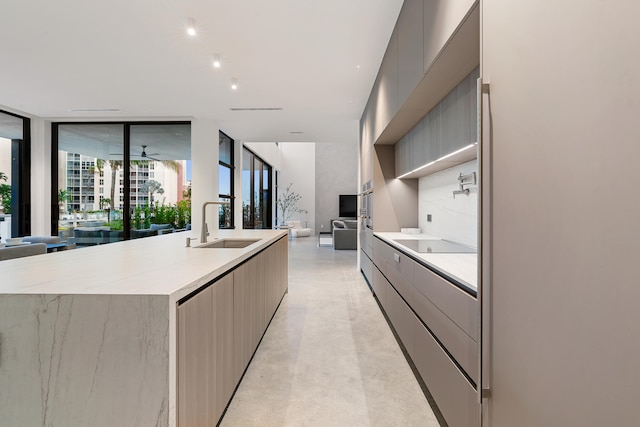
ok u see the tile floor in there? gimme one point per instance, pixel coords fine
(328, 358)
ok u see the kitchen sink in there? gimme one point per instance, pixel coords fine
(229, 243)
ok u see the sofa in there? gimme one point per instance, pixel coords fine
(11, 252)
(297, 230)
(345, 234)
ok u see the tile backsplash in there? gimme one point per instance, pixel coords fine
(452, 219)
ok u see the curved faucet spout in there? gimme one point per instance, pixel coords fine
(203, 229)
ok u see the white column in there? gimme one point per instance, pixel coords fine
(204, 172)
(40, 176)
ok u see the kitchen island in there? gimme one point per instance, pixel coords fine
(108, 335)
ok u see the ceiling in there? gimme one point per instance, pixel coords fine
(316, 60)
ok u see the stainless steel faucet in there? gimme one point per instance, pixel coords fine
(203, 230)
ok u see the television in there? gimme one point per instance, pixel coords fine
(348, 205)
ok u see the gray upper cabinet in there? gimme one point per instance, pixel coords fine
(433, 46)
(386, 86)
(449, 126)
(410, 48)
(441, 19)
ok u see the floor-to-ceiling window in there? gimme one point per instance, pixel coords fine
(256, 191)
(225, 181)
(117, 181)
(15, 175)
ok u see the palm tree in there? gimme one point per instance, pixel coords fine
(3, 177)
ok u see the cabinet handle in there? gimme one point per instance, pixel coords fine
(396, 257)
(485, 233)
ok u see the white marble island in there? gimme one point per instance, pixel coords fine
(89, 337)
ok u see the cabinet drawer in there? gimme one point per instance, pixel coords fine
(379, 287)
(381, 254)
(453, 394)
(400, 272)
(366, 265)
(458, 305)
(366, 240)
(460, 345)
(400, 316)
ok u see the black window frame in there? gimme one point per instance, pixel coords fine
(126, 169)
(21, 179)
(268, 220)
(231, 167)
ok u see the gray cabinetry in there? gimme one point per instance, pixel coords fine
(433, 46)
(385, 87)
(380, 287)
(437, 324)
(410, 48)
(449, 126)
(400, 271)
(455, 396)
(400, 316)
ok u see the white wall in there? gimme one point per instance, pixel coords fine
(40, 177)
(298, 167)
(336, 173)
(452, 219)
(267, 151)
(204, 172)
(5, 158)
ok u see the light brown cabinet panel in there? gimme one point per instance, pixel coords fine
(223, 382)
(455, 396)
(195, 361)
(458, 305)
(219, 329)
(248, 311)
(205, 358)
(276, 273)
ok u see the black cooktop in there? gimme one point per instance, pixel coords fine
(436, 246)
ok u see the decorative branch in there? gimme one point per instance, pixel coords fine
(287, 203)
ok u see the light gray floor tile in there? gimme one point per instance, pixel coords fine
(328, 358)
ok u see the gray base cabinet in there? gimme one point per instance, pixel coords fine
(219, 329)
(436, 323)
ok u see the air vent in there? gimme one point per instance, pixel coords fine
(257, 109)
(95, 110)
(296, 132)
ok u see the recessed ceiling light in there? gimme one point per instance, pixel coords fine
(358, 66)
(234, 84)
(216, 60)
(191, 27)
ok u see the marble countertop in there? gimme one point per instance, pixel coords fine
(460, 267)
(159, 265)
